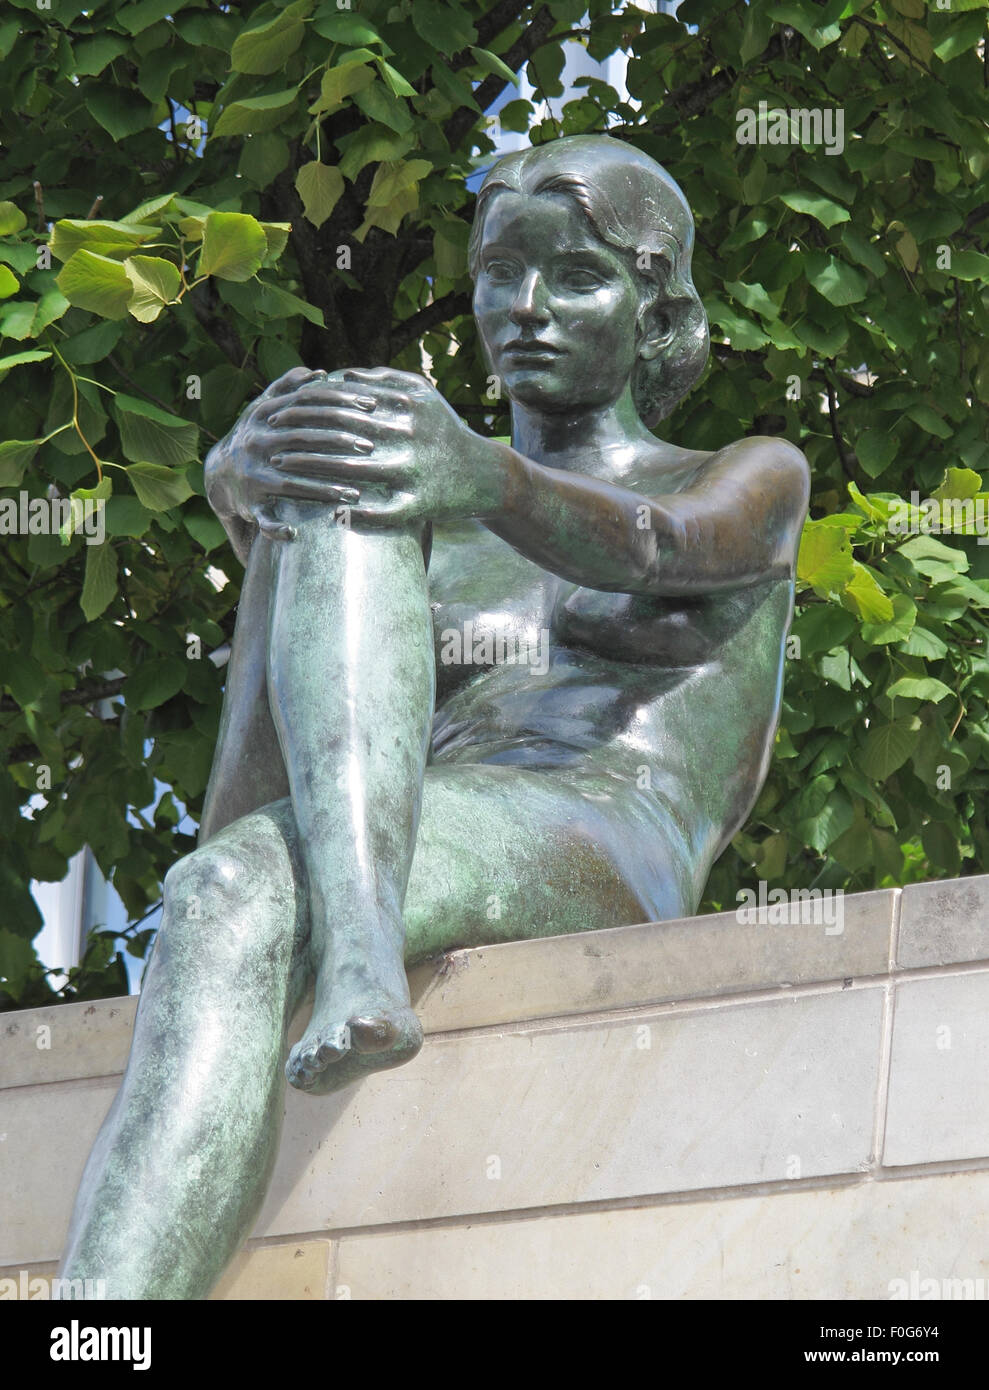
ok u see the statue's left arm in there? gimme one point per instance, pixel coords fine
(739, 523)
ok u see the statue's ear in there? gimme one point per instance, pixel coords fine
(657, 328)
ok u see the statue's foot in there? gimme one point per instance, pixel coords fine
(333, 1053)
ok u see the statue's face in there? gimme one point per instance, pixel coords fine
(557, 310)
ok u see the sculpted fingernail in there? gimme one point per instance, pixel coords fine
(366, 402)
(273, 418)
(363, 447)
(277, 460)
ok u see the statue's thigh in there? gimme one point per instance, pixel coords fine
(506, 853)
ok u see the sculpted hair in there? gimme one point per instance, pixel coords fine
(654, 230)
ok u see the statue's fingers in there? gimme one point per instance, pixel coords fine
(322, 441)
(324, 466)
(355, 423)
(397, 510)
(317, 392)
(270, 526)
(305, 488)
(289, 381)
(384, 379)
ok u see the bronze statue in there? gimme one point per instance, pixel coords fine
(385, 787)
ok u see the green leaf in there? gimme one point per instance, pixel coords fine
(158, 488)
(821, 628)
(79, 520)
(20, 359)
(896, 628)
(255, 114)
(827, 212)
(395, 80)
(341, 82)
(263, 158)
(446, 28)
(92, 344)
(96, 283)
(15, 455)
(126, 516)
(930, 421)
(8, 282)
(379, 104)
(370, 145)
(100, 583)
(970, 265)
(958, 483)
(319, 186)
(924, 643)
(11, 219)
(156, 283)
(839, 283)
(753, 297)
(393, 177)
(107, 238)
(919, 688)
(92, 55)
(825, 558)
(866, 597)
(150, 435)
(491, 63)
(887, 747)
(276, 235)
(155, 681)
(265, 48)
(875, 450)
(803, 21)
(350, 29)
(234, 245)
(120, 111)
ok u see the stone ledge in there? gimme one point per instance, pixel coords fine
(575, 1093)
(551, 977)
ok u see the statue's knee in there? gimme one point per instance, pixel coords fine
(211, 880)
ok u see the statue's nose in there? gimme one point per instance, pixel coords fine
(529, 305)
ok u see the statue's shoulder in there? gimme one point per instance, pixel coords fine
(762, 465)
(758, 463)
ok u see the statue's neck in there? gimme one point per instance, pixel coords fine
(601, 441)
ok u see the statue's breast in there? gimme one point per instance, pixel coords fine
(674, 632)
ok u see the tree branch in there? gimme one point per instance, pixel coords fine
(223, 334)
(491, 88)
(75, 697)
(441, 310)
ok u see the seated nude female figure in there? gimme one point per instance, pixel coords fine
(371, 805)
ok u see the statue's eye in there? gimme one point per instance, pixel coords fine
(501, 272)
(582, 278)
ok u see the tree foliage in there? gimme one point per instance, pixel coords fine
(195, 198)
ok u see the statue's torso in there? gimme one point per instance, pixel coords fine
(676, 696)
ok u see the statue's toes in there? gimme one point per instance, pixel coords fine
(384, 1033)
(309, 1058)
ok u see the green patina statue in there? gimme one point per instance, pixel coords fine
(559, 729)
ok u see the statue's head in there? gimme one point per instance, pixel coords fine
(583, 244)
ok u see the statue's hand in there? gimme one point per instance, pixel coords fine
(244, 474)
(414, 459)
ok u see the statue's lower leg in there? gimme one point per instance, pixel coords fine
(351, 684)
(179, 1170)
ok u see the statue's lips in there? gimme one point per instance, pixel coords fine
(531, 351)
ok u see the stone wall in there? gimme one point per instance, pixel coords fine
(695, 1109)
